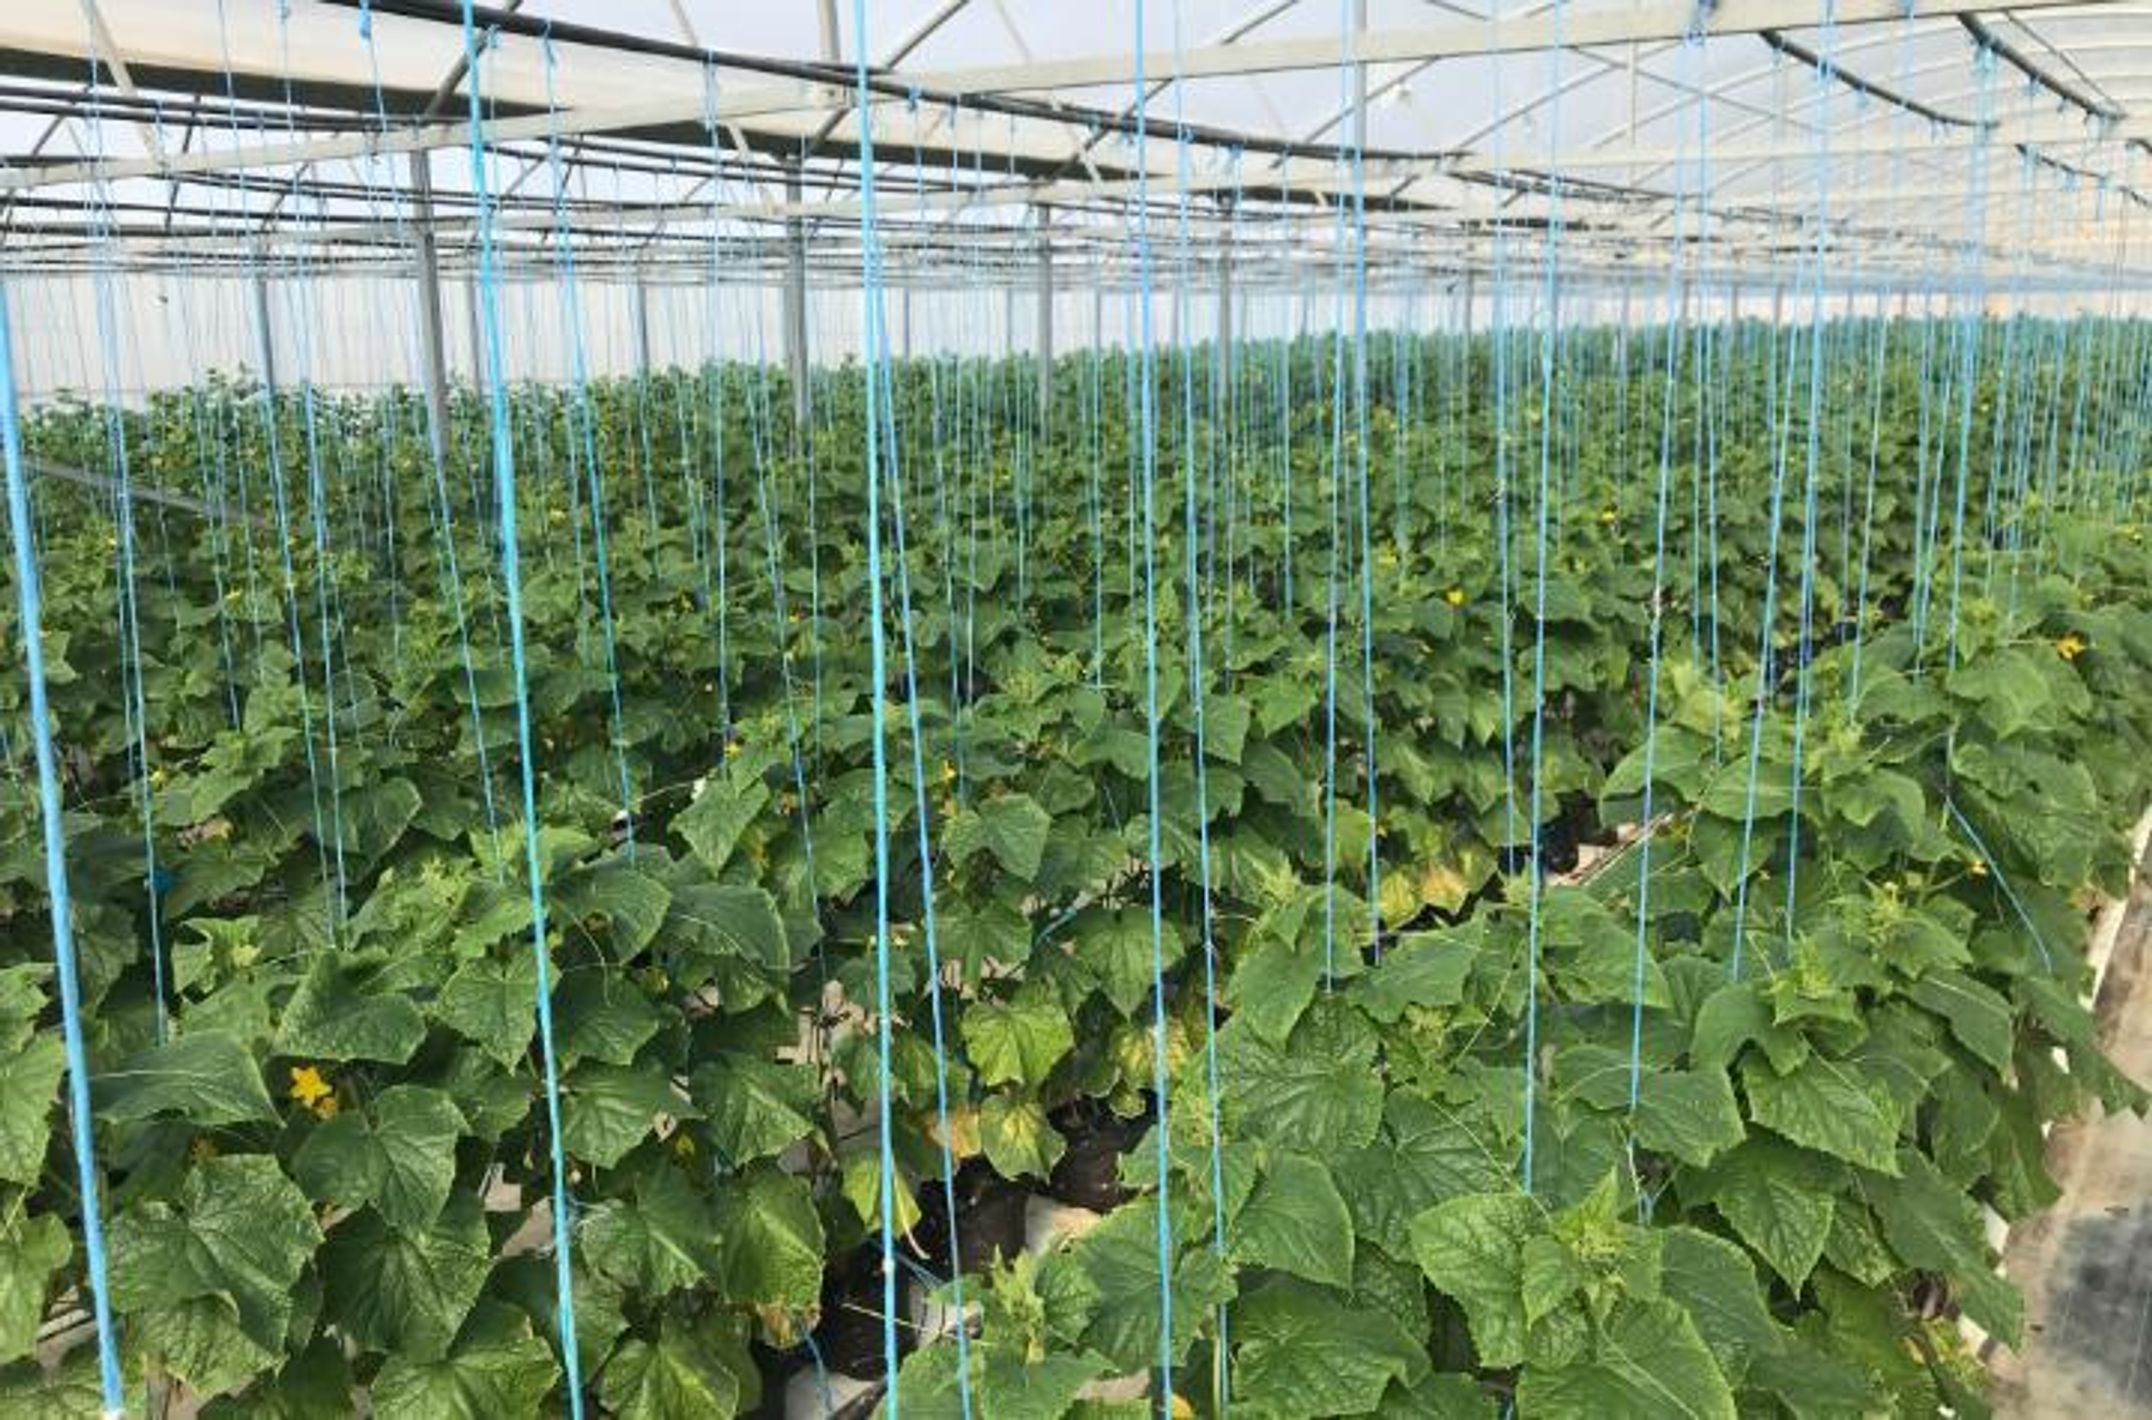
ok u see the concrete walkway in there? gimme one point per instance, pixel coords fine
(2086, 1264)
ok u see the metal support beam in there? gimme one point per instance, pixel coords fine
(1045, 332)
(919, 34)
(1359, 82)
(264, 329)
(795, 308)
(478, 342)
(643, 362)
(1225, 302)
(781, 105)
(796, 242)
(1657, 21)
(40, 470)
(832, 37)
(432, 346)
(771, 103)
(106, 50)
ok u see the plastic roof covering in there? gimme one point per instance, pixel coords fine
(1915, 160)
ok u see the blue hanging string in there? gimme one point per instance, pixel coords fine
(945, 515)
(29, 604)
(929, 932)
(130, 608)
(1193, 614)
(2074, 487)
(1286, 344)
(1335, 408)
(2004, 521)
(1923, 509)
(1707, 424)
(1404, 400)
(317, 498)
(871, 302)
(584, 426)
(760, 428)
(1877, 384)
(720, 598)
(878, 370)
(1161, 1131)
(1969, 336)
(225, 442)
(1804, 644)
(504, 472)
(1549, 341)
(1091, 404)
(210, 462)
(1225, 415)
(279, 503)
(443, 514)
(1765, 661)
(1868, 509)
(1498, 337)
(1693, 50)
(1095, 418)
(1364, 477)
(1451, 357)
(808, 455)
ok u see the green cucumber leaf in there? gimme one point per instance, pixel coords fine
(399, 1154)
(29, 1086)
(1012, 828)
(1472, 1248)
(33, 1246)
(1430, 1152)
(494, 1004)
(1824, 1105)
(1301, 1352)
(1017, 1137)
(771, 1242)
(407, 1292)
(1318, 1093)
(1296, 1221)
(607, 1110)
(333, 1015)
(1716, 1283)
(754, 1108)
(656, 1241)
(714, 820)
(238, 1234)
(1778, 1199)
(1018, 1043)
(1979, 1016)
(205, 1075)
(673, 1378)
(483, 1381)
(1646, 1363)
(1688, 1114)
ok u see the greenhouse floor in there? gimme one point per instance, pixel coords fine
(2086, 1264)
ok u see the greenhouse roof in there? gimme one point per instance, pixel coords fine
(657, 132)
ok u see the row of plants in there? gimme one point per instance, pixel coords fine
(1788, 1032)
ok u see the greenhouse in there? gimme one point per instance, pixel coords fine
(1016, 709)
